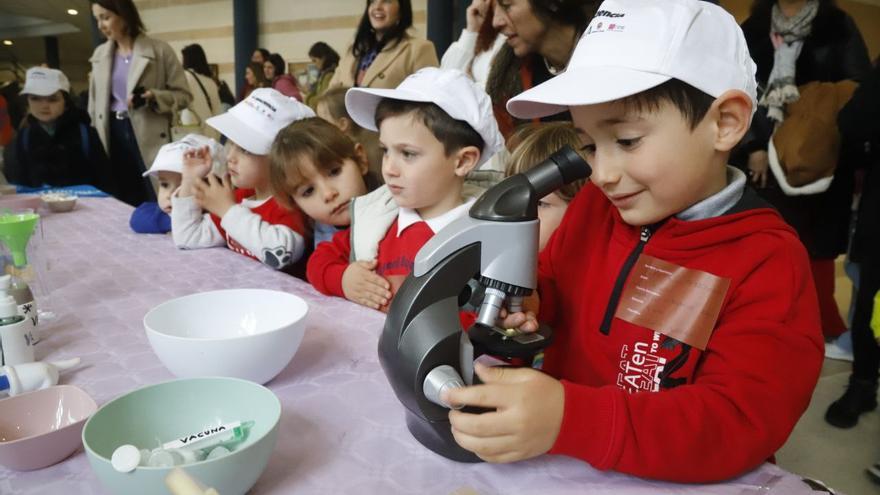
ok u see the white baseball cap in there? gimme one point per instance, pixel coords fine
(451, 90)
(634, 45)
(254, 122)
(41, 81)
(170, 156)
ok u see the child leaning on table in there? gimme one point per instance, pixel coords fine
(687, 337)
(241, 212)
(155, 217)
(314, 166)
(536, 144)
(434, 128)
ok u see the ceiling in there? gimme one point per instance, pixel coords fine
(26, 22)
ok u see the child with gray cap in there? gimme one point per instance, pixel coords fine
(687, 340)
(434, 128)
(167, 169)
(241, 210)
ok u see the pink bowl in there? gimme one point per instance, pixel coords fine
(41, 428)
(21, 202)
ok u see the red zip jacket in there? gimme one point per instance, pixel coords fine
(641, 403)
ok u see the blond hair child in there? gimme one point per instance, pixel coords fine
(314, 166)
(330, 106)
(536, 144)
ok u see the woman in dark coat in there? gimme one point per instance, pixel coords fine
(858, 126)
(831, 50)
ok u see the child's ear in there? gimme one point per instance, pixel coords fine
(466, 160)
(344, 124)
(362, 162)
(732, 115)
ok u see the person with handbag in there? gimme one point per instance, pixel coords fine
(136, 84)
(795, 42)
(204, 88)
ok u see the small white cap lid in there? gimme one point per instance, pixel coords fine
(126, 458)
(5, 282)
(8, 307)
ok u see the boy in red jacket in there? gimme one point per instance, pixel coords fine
(434, 128)
(687, 329)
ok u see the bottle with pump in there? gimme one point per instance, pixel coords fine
(16, 338)
(24, 297)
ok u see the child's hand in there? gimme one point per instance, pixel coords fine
(524, 321)
(362, 285)
(528, 413)
(196, 164)
(215, 194)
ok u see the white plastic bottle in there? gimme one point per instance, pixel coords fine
(18, 289)
(29, 377)
(16, 338)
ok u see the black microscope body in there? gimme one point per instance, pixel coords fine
(490, 255)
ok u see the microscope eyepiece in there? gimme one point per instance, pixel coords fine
(515, 199)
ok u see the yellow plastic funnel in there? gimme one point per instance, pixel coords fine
(15, 231)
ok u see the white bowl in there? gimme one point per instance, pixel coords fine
(240, 333)
(59, 202)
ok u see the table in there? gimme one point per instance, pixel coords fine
(342, 429)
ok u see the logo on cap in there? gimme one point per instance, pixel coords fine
(266, 109)
(607, 13)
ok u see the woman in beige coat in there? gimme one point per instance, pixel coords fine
(383, 53)
(137, 83)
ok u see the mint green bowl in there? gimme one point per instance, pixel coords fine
(168, 410)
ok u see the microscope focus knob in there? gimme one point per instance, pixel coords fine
(439, 379)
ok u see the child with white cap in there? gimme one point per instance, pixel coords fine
(155, 217)
(687, 340)
(241, 211)
(434, 128)
(56, 144)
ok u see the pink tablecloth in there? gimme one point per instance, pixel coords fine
(342, 428)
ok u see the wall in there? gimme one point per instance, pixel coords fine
(286, 27)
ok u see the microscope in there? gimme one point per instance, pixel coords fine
(489, 259)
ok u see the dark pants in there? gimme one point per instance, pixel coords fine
(866, 352)
(128, 165)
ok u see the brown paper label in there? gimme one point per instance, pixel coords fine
(678, 302)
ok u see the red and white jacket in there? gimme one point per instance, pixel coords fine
(260, 229)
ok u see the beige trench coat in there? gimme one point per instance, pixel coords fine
(154, 65)
(391, 67)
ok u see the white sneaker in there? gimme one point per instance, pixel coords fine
(834, 351)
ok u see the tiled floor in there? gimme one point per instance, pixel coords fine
(818, 450)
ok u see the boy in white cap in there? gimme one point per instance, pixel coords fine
(434, 128)
(55, 145)
(686, 325)
(167, 168)
(241, 211)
